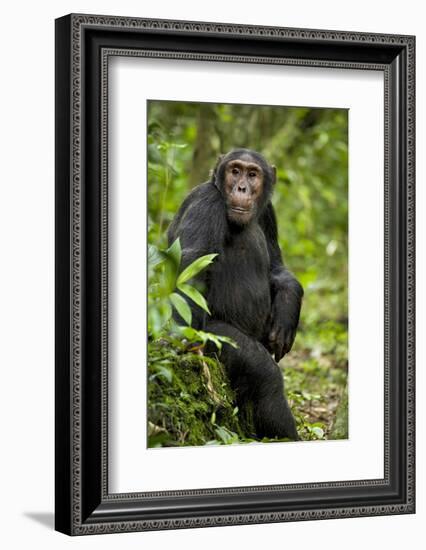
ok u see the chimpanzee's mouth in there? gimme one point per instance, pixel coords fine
(240, 210)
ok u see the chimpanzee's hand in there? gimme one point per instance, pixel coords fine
(283, 327)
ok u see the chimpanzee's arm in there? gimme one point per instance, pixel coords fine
(286, 292)
(200, 225)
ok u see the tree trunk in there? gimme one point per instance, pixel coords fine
(204, 153)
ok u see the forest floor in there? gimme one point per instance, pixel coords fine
(315, 388)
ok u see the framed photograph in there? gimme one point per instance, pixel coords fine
(234, 274)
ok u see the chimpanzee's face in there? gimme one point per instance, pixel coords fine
(243, 187)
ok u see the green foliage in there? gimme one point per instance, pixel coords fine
(195, 296)
(181, 306)
(309, 148)
(198, 265)
(164, 278)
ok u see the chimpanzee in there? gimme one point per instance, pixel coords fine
(252, 297)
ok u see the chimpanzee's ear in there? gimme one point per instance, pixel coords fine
(214, 171)
(274, 174)
(219, 160)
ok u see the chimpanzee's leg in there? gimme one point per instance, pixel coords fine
(255, 376)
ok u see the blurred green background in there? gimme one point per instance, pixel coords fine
(309, 148)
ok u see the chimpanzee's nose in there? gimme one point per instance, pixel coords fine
(242, 188)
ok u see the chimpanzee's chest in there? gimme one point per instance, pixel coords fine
(239, 292)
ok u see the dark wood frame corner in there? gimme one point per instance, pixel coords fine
(84, 44)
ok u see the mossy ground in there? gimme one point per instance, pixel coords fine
(190, 401)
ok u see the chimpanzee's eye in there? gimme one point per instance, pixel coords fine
(235, 171)
(252, 174)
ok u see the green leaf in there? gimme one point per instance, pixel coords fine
(226, 436)
(191, 334)
(181, 307)
(198, 265)
(215, 339)
(175, 252)
(223, 435)
(199, 335)
(195, 296)
(228, 340)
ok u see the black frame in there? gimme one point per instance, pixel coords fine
(83, 46)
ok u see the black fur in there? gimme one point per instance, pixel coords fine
(252, 297)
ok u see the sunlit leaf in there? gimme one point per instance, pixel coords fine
(193, 269)
(195, 296)
(182, 307)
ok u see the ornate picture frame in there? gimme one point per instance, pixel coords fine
(84, 44)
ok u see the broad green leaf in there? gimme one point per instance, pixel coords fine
(195, 296)
(181, 307)
(175, 252)
(198, 265)
(191, 334)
